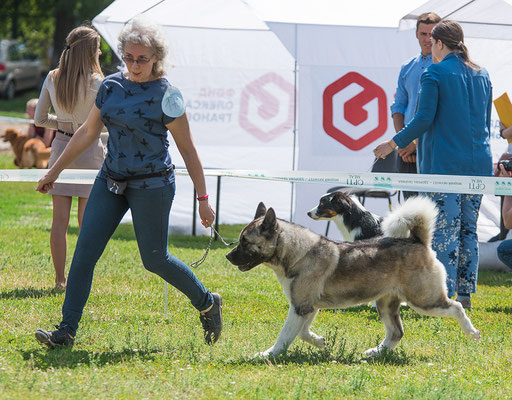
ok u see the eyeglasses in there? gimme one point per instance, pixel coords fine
(139, 61)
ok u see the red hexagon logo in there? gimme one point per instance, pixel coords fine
(353, 110)
(274, 115)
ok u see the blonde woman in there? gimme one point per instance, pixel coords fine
(71, 90)
(137, 175)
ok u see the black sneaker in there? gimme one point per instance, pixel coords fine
(465, 301)
(60, 337)
(212, 320)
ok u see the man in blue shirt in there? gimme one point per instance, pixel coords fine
(408, 89)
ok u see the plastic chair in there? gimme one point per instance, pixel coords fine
(388, 164)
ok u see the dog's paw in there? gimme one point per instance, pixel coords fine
(266, 353)
(304, 309)
(375, 352)
(476, 335)
(319, 342)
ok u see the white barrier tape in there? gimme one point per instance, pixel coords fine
(17, 120)
(387, 181)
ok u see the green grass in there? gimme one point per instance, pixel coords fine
(17, 106)
(126, 350)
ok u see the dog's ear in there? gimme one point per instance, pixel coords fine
(269, 222)
(342, 200)
(260, 211)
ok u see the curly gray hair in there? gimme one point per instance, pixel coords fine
(140, 30)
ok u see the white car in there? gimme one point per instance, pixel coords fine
(19, 69)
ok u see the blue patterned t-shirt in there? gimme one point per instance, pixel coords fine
(137, 142)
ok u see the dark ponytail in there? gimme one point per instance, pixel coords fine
(451, 34)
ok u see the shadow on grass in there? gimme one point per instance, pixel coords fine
(335, 352)
(24, 293)
(495, 278)
(68, 358)
(498, 309)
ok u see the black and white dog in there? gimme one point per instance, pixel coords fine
(353, 220)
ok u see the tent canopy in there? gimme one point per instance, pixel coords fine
(334, 12)
(490, 19)
(218, 33)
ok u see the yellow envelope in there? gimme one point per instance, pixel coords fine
(504, 109)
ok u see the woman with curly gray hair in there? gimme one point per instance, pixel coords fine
(138, 175)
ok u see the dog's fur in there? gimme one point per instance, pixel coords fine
(28, 152)
(353, 220)
(317, 273)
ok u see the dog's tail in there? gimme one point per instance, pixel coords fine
(416, 217)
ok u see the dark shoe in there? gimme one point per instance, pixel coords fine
(212, 320)
(60, 337)
(495, 238)
(466, 303)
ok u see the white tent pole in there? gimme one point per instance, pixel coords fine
(295, 99)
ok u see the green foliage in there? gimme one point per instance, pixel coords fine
(33, 22)
(126, 349)
(17, 106)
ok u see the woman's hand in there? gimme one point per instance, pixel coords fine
(503, 172)
(46, 182)
(385, 148)
(206, 213)
(408, 153)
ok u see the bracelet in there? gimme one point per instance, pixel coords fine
(202, 198)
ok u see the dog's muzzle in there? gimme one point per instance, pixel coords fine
(241, 264)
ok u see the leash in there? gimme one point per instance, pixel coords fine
(197, 263)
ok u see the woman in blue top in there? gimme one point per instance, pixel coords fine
(137, 175)
(452, 125)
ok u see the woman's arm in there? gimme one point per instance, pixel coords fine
(180, 131)
(506, 210)
(424, 117)
(505, 133)
(427, 107)
(80, 141)
(49, 134)
(42, 116)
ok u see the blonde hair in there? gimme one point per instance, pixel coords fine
(32, 103)
(77, 63)
(140, 30)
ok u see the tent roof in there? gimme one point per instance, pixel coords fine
(373, 13)
(209, 14)
(490, 19)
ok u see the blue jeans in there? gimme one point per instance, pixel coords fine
(455, 239)
(505, 252)
(150, 213)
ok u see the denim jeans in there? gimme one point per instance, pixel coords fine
(505, 252)
(150, 213)
(455, 239)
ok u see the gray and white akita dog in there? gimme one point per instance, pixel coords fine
(317, 273)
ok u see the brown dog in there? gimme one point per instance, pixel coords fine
(28, 152)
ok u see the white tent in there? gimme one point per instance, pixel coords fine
(224, 55)
(489, 19)
(238, 83)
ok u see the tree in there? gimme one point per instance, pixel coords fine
(44, 24)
